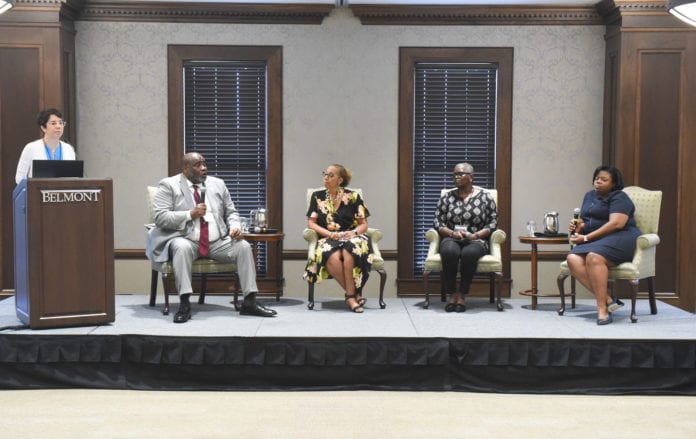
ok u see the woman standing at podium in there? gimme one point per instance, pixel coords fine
(49, 147)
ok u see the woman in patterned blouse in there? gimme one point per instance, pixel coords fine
(344, 250)
(465, 217)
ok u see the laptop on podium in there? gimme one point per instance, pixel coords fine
(57, 168)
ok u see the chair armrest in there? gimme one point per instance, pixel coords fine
(311, 237)
(497, 238)
(644, 256)
(646, 241)
(434, 238)
(375, 236)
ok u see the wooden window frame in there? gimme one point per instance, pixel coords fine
(407, 282)
(272, 56)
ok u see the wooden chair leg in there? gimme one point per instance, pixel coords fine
(560, 280)
(382, 282)
(651, 295)
(165, 311)
(491, 287)
(572, 292)
(236, 287)
(153, 287)
(498, 287)
(634, 296)
(426, 276)
(310, 295)
(204, 286)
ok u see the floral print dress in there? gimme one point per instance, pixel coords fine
(350, 209)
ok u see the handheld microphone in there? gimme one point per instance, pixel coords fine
(576, 217)
(202, 189)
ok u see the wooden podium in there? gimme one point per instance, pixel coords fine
(64, 252)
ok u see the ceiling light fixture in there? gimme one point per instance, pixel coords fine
(685, 10)
(6, 5)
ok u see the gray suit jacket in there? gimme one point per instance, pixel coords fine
(170, 206)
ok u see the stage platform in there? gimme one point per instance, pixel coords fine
(402, 347)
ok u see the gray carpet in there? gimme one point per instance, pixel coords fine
(401, 318)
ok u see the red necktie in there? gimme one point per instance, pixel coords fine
(203, 243)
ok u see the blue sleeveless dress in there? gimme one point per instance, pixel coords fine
(619, 246)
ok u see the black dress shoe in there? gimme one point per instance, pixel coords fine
(451, 307)
(460, 307)
(254, 309)
(274, 312)
(605, 321)
(183, 314)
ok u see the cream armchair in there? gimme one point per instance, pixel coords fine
(377, 264)
(201, 267)
(490, 264)
(642, 266)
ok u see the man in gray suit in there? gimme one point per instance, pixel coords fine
(181, 226)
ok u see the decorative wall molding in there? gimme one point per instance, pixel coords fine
(202, 12)
(633, 6)
(477, 15)
(169, 12)
(628, 12)
(642, 14)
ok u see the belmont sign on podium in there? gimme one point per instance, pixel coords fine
(64, 252)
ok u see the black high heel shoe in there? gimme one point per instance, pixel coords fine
(605, 321)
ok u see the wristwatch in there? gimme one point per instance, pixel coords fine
(584, 238)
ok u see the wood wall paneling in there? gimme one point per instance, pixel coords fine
(651, 140)
(32, 77)
(19, 92)
(658, 148)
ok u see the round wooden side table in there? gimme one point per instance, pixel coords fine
(535, 241)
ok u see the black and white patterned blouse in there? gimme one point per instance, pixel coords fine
(477, 212)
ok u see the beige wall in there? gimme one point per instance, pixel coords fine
(340, 99)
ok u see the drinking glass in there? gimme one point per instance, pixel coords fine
(531, 228)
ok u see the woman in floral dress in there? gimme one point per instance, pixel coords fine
(344, 250)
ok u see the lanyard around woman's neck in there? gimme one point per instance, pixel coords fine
(58, 152)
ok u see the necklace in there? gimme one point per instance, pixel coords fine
(464, 197)
(332, 200)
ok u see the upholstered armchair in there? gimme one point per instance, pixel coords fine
(377, 264)
(201, 267)
(642, 266)
(491, 264)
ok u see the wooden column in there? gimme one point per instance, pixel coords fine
(37, 71)
(649, 132)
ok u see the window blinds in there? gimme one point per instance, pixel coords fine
(454, 122)
(225, 120)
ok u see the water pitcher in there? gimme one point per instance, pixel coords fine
(551, 223)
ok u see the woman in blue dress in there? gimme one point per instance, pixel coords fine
(344, 250)
(605, 235)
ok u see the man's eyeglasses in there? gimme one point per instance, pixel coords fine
(327, 174)
(461, 174)
(54, 123)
